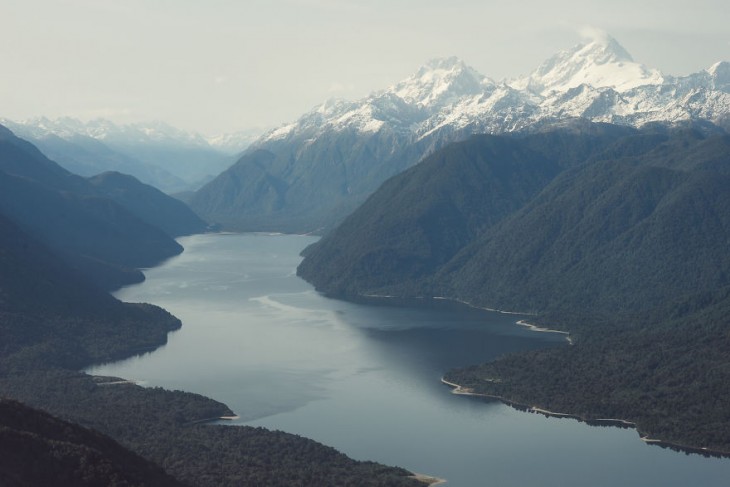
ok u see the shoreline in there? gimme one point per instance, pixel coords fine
(540, 329)
(213, 419)
(619, 423)
(615, 422)
(376, 297)
(428, 479)
(484, 308)
(522, 322)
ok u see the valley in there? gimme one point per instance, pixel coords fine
(453, 275)
(365, 378)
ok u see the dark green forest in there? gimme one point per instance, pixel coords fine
(164, 427)
(624, 245)
(38, 449)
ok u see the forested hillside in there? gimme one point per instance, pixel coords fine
(38, 449)
(621, 235)
(419, 220)
(53, 317)
(100, 238)
(149, 204)
(626, 248)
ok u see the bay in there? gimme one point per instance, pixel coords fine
(366, 379)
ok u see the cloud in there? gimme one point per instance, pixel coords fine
(592, 33)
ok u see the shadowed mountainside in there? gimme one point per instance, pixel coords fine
(149, 204)
(625, 248)
(38, 449)
(99, 237)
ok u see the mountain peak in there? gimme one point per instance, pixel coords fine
(604, 49)
(439, 82)
(443, 63)
(720, 76)
(601, 63)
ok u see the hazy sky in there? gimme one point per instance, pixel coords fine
(217, 66)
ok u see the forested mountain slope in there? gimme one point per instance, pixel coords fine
(98, 236)
(38, 449)
(51, 315)
(419, 220)
(632, 234)
(625, 248)
(149, 204)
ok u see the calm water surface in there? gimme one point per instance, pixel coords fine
(365, 379)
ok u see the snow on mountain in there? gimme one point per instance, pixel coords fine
(156, 153)
(597, 80)
(154, 133)
(720, 76)
(440, 83)
(236, 142)
(438, 86)
(602, 63)
(106, 131)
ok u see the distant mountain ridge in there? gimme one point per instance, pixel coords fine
(353, 146)
(156, 153)
(106, 228)
(86, 156)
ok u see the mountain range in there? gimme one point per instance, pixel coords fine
(307, 175)
(156, 153)
(571, 211)
(105, 227)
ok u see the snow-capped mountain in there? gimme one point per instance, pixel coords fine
(321, 166)
(440, 83)
(236, 142)
(598, 80)
(106, 131)
(156, 153)
(602, 63)
(437, 86)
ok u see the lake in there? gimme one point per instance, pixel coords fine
(366, 379)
